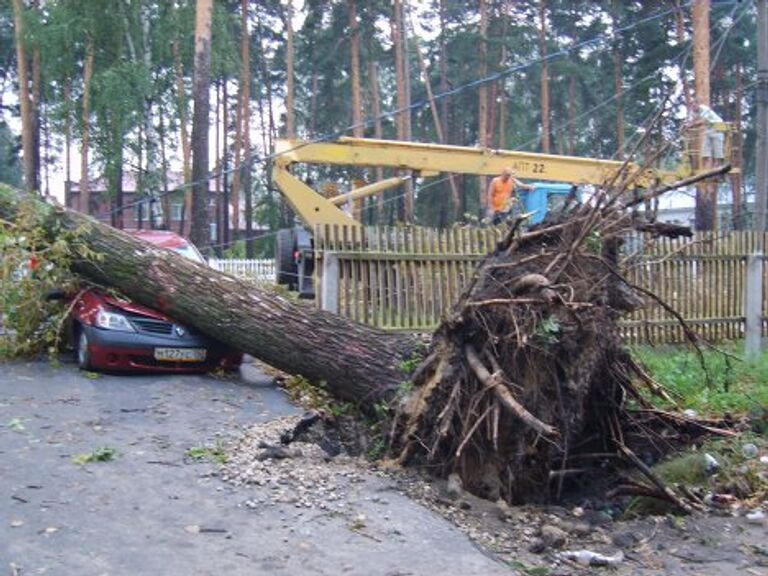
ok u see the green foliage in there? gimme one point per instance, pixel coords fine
(10, 163)
(16, 424)
(103, 454)
(594, 242)
(216, 453)
(548, 330)
(736, 473)
(32, 266)
(721, 385)
(410, 364)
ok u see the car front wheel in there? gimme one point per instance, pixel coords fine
(83, 352)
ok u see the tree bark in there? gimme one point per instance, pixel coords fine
(378, 129)
(68, 132)
(618, 87)
(200, 233)
(706, 192)
(290, 107)
(27, 128)
(571, 114)
(245, 103)
(503, 96)
(737, 160)
(482, 101)
(236, 159)
(545, 141)
(186, 144)
(444, 102)
(85, 184)
(403, 111)
(357, 97)
(37, 104)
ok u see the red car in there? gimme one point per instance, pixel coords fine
(111, 334)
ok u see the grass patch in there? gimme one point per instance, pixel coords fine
(722, 385)
(104, 454)
(215, 453)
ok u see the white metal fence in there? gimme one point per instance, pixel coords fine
(262, 270)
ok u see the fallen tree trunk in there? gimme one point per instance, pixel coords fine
(357, 363)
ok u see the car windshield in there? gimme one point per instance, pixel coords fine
(190, 252)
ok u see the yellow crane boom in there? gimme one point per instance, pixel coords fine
(430, 160)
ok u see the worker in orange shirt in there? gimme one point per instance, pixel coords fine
(502, 193)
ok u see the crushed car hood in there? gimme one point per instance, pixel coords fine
(134, 308)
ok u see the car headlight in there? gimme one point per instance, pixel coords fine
(113, 321)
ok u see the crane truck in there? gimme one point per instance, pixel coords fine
(554, 175)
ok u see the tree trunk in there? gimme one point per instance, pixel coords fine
(68, 132)
(27, 121)
(225, 163)
(545, 142)
(455, 194)
(313, 102)
(151, 178)
(482, 101)
(357, 96)
(37, 105)
(618, 88)
(403, 111)
(706, 192)
(737, 153)
(245, 103)
(290, 107)
(85, 184)
(502, 142)
(166, 195)
(378, 129)
(186, 144)
(200, 233)
(236, 159)
(571, 115)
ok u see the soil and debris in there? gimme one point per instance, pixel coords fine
(308, 472)
(303, 461)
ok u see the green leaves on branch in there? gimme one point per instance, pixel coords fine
(33, 266)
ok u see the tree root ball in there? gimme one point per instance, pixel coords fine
(526, 373)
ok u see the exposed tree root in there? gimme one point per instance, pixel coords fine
(527, 378)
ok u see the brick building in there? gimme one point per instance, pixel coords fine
(140, 210)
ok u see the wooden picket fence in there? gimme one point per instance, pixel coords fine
(409, 278)
(256, 270)
(400, 278)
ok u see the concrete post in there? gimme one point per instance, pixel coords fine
(329, 289)
(753, 305)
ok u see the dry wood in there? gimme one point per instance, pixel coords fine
(495, 382)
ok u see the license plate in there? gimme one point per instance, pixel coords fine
(180, 354)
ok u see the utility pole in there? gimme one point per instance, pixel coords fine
(761, 159)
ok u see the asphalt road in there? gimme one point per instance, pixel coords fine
(153, 511)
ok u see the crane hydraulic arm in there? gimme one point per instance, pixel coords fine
(430, 160)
